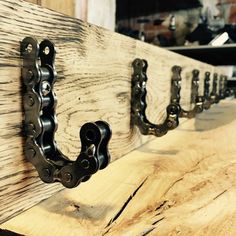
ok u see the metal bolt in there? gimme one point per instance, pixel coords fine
(46, 88)
(85, 164)
(169, 124)
(30, 101)
(29, 48)
(31, 128)
(46, 173)
(91, 150)
(30, 153)
(67, 177)
(30, 75)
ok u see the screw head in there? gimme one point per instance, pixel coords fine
(29, 75)
(169, 124)
(30, 128)
(67, 177)
(85, 164)
(46, 173)
(45, 88)
(30, 101)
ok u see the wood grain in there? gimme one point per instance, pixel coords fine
(182, 184)
(94, 75)
(66, 7)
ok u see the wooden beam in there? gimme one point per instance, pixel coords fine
(63, 6)
(33, 1)
(182, 184)
(94, 82)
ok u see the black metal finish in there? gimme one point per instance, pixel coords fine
(195, 98)
(207, 97)
(40, 122)
(230, 89)
(223, 87)
(215, 98)
(138, 104)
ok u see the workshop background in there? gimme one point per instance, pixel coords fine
(163, 23)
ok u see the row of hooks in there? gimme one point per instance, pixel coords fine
(40, 123)
(174, 110)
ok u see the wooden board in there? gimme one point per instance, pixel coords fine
(66, 7)
(63, 6)
(183, 184)
(94, 75)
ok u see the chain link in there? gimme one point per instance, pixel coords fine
(223, 87)
(215, 98)
(206, 92)
(40, 123)
(197, 100)
(139, 105)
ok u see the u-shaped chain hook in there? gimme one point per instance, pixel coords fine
(197, 100)
(139, 105)
(40, 101)
(214, 95)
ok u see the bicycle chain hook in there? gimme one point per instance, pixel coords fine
(139, 105)
(40, 123)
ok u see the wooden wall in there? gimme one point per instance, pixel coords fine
(98, 12)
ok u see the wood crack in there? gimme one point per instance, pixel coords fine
(194, 168)
(148, 231)
(126, 203)
(220, 194)
(161, 205)
(157, 221)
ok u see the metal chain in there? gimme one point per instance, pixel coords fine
(40, 123)
(139, 105)
(195, 98)
(215, 98)
(206, 93)
(223, 87)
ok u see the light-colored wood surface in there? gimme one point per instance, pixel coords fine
(66, 7)
(94, 82)
(34, 1)
(182, 184)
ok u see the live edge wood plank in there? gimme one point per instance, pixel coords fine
(183, 184)
(94, 75)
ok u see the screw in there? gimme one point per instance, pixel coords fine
(30, 101)
(29, 48)
(85, 164)
(169, 124)
(30, 153)
(67, 177)
(91, 150)
(46, 173)
(31, 128)
(46, 88)
(30, 75)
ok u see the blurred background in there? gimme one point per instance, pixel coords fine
(207, 26)
(177, 23)
(160, 22)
